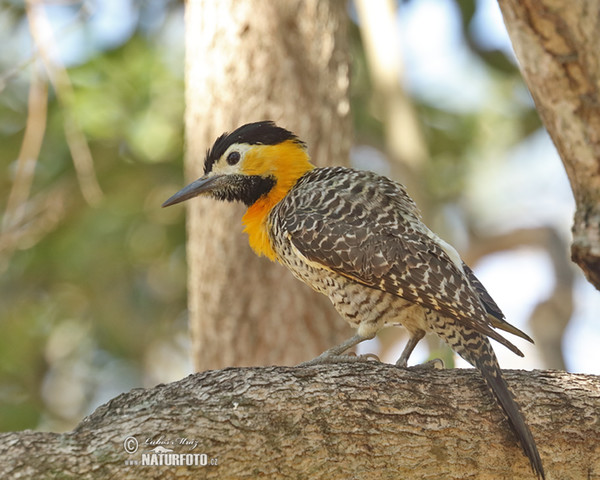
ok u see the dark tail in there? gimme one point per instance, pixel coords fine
(496, 383)
(476, 349)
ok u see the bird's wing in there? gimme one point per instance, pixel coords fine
(374, 236)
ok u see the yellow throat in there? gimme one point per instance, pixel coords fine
(286, 163)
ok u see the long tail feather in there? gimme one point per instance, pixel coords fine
(496, 383)
(476, 349)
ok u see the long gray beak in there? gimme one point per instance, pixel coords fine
(198, 187)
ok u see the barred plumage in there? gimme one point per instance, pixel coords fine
(366, 228)
(358, 238)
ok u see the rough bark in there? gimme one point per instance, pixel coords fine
(345, 421)
(248, 61)
(556, 43)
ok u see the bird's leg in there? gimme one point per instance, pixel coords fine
(335, 354)
(415, 338)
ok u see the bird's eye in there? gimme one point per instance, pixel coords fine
(233, 158)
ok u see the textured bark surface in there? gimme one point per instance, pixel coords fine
(344, 421)
(248, 61)
(556, 43)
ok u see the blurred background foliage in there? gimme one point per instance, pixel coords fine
(93, 297)
(93, 282)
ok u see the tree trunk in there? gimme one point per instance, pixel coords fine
(248, 61)
(344, 421)
(557, 44)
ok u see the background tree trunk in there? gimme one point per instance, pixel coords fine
(556, 43)
(248, 61)
(344, 421)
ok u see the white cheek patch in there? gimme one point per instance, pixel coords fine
(223, 168)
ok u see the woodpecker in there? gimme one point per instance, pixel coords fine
(358, 238)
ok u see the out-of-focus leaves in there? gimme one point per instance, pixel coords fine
(129, 95)
(88, 300)
(497, 59)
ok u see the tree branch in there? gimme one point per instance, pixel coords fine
(343, 421)
(557, 47)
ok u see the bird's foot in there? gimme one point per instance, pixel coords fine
(435, 364)
(340, 358)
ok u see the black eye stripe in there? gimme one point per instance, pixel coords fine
(233, 158)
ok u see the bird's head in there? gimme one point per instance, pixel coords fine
(256, 161)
